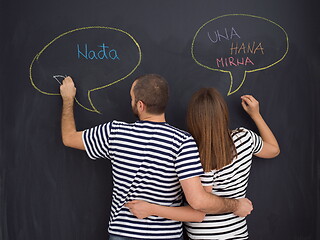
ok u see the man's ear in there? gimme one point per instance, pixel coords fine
(141, 106)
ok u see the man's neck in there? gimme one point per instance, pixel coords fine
(152, 118)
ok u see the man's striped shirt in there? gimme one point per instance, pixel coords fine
(148, 161)
(230, 182)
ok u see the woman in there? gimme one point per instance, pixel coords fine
(226, 159)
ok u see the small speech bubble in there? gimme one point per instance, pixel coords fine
(239, 44)
(96, 57)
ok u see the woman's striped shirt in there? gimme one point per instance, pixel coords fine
(148, 161)
(230, 182)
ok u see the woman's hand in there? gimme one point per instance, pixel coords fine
(270, 147)
(250, 105)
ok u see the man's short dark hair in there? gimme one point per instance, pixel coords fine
(153, 91)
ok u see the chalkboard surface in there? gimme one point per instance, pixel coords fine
(269, 49)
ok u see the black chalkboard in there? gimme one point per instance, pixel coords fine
(269, 49)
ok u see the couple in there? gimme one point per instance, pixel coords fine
(154, 164)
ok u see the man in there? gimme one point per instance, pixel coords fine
(151, 161)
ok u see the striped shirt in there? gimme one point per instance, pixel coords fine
(148, 161)
(230, 182)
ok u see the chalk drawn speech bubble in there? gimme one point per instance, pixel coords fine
(239, 44)
(96, 57)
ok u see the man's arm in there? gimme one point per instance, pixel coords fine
(206, 202)
(201, 201)
(70, 136)
(142, 209)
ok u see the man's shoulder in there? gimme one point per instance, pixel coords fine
(180, 136)
(120, 123)
(165, 128)
(178, 131)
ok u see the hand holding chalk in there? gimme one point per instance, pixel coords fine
(67, 89)
(250, 105)
(56, 77)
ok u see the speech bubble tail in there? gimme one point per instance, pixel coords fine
(88, 109)
(236, 81)
(91, 103)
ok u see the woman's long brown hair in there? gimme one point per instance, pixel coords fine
(208, 122)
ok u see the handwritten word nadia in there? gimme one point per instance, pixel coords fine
(226, 36)
(249, 48)
(104, 53)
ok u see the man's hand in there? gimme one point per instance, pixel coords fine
(141, 209)
(67, 89)
(244, 207)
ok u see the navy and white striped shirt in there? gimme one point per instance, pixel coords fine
(230, 182)
(148, 161)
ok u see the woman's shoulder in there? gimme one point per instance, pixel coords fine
(240, 132)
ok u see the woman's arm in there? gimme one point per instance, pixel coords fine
(270, 145)
(142, 209)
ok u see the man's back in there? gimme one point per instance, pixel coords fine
(148, 161)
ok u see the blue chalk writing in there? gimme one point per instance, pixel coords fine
(104, 52)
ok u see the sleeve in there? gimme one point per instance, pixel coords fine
(187, 163)
(207, 179)
(257, 143)
(96, 141)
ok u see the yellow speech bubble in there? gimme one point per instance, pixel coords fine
(232, 88)
(126, 75)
